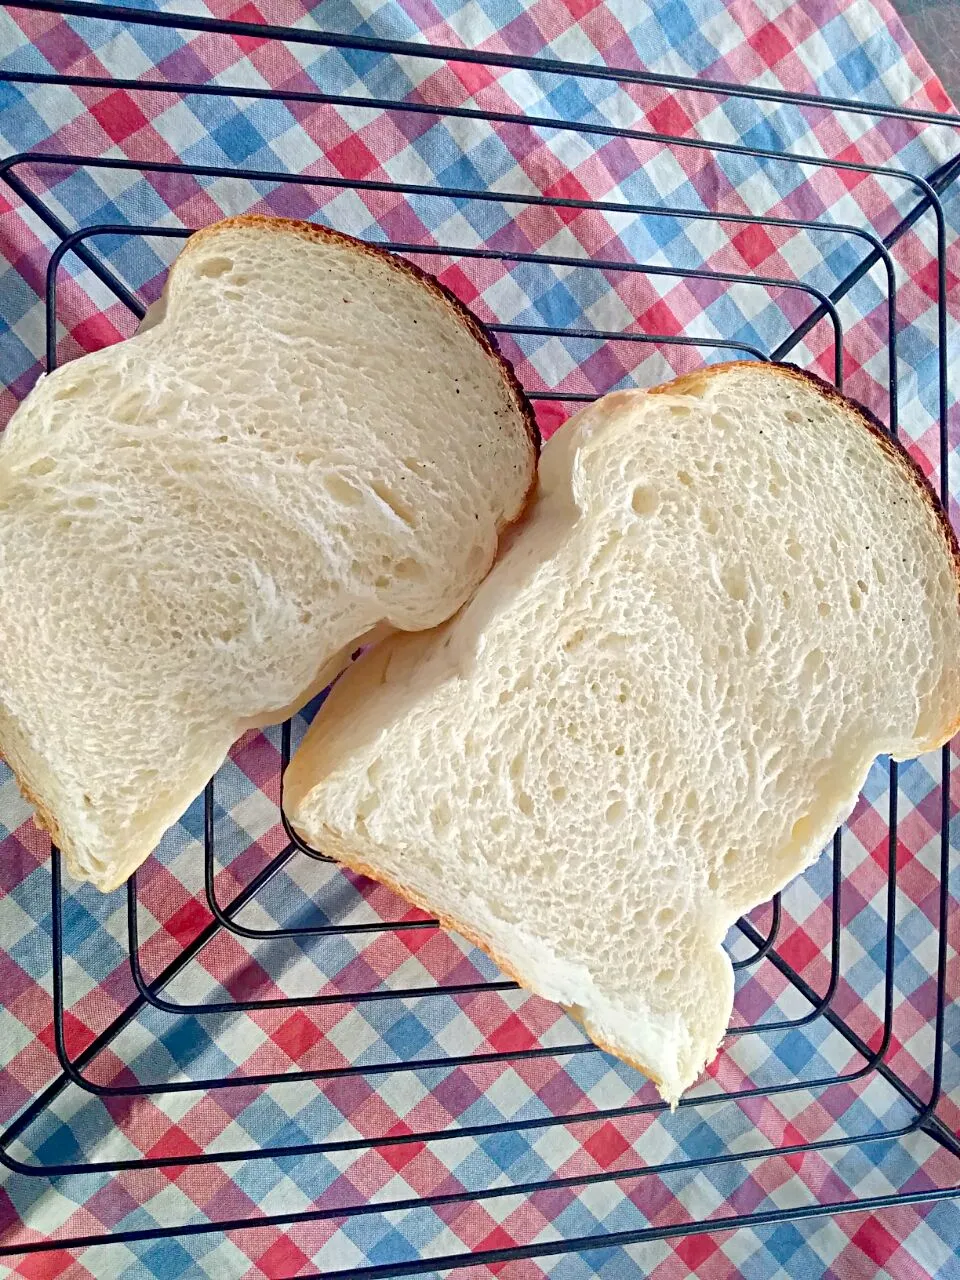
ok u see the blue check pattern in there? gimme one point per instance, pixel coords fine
(466, 1110)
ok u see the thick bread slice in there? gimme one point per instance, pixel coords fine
(310, 439)
(729, 596)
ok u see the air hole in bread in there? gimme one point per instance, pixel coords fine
(367, 805)
(754, 636)
(409, 570)
(666, 807)
(801, 830)
(71, 389)
(685, 478)
(823, 609)
(478, 558)
(341, 490)
(856, 600)
(663, 979)
(793, 548)
(213, 268)
(616, 813)
(129, 409)
(525, 804)
(393, 500)
(734, 580)
(42, 467)
(813, 669)
(645, 500)
(86, 503)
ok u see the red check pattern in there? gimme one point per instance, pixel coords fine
(406, 1121)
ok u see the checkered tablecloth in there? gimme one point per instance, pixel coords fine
(825, 46)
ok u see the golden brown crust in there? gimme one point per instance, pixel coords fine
(346, 857)
(325, 235)
(311, 231)
(42, 816)
(696, 382)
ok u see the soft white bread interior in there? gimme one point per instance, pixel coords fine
(729, 596)
(310, 439)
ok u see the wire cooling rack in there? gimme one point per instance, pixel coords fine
(162, 1001)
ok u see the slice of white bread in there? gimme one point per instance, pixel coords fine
(310, 438)
(729, 596)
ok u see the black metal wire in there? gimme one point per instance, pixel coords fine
(486, 58)
(153, 992)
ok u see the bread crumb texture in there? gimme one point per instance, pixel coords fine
(308, 440)
(729, 598)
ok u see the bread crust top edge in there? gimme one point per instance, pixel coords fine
(43, 811)
(313, 231)
(890, 444)
(893, 448)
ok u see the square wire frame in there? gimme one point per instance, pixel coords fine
(220, 918)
